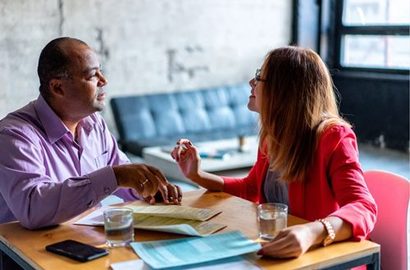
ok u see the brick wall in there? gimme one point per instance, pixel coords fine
(144, 45)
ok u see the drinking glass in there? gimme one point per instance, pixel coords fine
(272, 217)
(118, 226)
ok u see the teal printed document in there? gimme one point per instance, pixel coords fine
(194, 250)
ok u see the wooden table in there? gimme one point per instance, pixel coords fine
(27, 247)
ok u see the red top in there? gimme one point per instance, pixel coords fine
(334, 185)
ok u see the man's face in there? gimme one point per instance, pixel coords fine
(83, 91)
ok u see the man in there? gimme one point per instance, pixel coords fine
(57, 157)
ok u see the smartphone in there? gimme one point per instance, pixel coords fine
(77, 250)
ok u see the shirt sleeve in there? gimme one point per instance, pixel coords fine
(32, 196)
(357, 205)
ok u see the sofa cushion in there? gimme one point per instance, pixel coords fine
(201, 115)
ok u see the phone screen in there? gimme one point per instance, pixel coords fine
(76, 250)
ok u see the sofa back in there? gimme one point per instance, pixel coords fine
(200, 115)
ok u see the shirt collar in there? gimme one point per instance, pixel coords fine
(87, 123)
(53, 126)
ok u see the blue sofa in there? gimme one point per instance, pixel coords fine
(200, 115)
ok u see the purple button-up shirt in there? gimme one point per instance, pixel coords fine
(47, 177)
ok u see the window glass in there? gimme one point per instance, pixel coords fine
(376, 12)
(376, 51)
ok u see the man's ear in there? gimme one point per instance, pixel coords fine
(56, 87)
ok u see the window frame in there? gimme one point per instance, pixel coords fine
(342, 30)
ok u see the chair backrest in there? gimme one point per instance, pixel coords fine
(391, 192)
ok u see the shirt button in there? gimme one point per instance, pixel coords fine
(107, 190)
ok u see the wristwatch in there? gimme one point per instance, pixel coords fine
(330, 232)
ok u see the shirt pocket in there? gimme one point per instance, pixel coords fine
(101, 160)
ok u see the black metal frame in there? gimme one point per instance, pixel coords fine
(341, 30)
(5, 251)
(372, 262)
(297, 17)
(294, 26)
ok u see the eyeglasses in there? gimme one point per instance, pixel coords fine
(258, 76)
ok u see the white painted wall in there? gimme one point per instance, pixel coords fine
(145, 46)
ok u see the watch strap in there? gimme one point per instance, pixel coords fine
(330, 238)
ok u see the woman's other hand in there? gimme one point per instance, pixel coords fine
(291, 242)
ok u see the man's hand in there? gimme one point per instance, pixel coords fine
(147, 181)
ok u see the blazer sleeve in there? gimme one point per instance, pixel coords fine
(357, 205)
(249, 187)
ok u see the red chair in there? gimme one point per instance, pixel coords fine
(391, 192)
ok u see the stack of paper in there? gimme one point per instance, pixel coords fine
(165, 218)
(175, 219)
(193, 251)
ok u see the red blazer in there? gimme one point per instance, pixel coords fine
(334, 185)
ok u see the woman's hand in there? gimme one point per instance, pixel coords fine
(290, 242)
(296, 240)
(187, 157)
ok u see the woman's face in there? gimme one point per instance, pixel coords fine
(256, 83)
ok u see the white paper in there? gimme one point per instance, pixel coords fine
(95, 218)
(130, 265)
(236, 263)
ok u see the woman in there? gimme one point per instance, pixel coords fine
(308, 156)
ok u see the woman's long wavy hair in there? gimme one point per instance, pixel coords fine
(298, 103)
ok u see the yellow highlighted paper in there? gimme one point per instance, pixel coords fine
(165, 218)
(174, 211)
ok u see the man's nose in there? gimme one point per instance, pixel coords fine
(102, 80)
